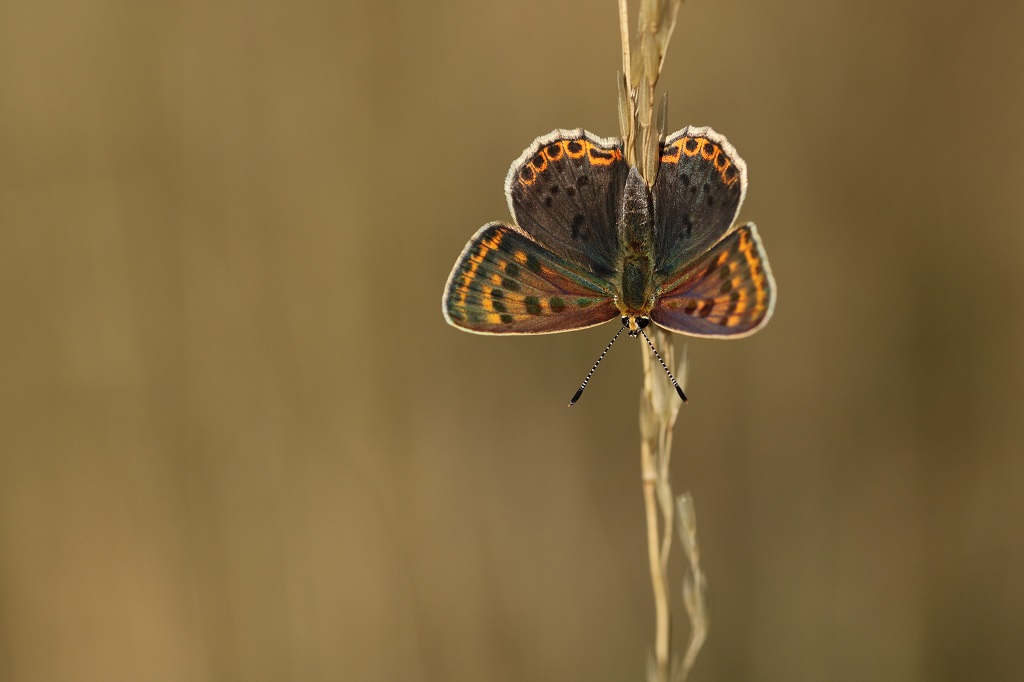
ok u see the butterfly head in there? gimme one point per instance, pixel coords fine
(635, 323)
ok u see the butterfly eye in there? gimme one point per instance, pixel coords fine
(625, 320)
(643, 321)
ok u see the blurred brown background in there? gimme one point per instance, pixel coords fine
(238, 441)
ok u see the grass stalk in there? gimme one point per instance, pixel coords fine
(659, 405)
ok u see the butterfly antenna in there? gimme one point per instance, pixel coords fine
(663, 366)
(594, 368)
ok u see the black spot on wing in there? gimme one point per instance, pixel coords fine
(578, 223)
(532, 264)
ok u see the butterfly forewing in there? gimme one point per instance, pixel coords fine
(565, 191)
(506, 283)
(697, 194)
(727, 292)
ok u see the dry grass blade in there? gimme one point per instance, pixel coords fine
(657, 22)
(655, 27)
(694, 585)
(627, 120)
(659, 405)
(627, 102)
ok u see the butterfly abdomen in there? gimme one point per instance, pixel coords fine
(635, 224)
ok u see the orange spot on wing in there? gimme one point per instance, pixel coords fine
(601, 157)
(709, 151)
(527, 176)
(582, 144)
(725, 164)
(467, 279)
(493, 242)
(555, 151)
(671, 153)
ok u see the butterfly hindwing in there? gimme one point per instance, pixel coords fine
(506, 283)
(565, 191)
(728, 292)
(698, 191)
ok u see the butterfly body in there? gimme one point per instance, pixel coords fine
(592, 242)
(636, 285)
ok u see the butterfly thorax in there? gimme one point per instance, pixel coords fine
(635, 224)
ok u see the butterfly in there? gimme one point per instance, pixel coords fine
(591, 242)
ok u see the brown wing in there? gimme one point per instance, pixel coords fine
(728, 292)
(506, 283)
(564, 191)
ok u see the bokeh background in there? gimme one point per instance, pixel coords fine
(239, 442)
